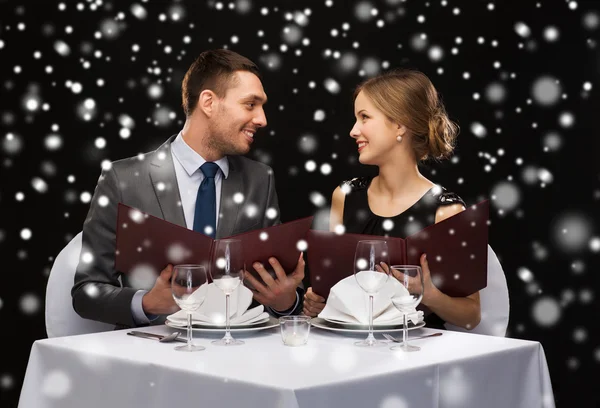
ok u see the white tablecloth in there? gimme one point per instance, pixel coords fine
(112, 369)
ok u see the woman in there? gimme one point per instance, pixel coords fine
(400, 121)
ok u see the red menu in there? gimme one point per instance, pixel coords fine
(145, 240)
(456, 251)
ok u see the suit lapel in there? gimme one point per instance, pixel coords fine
(164, 181)
(229, 208)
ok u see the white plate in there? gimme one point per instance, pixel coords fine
(359, 328)
(181, 323)
(359, 325)
(268, 324)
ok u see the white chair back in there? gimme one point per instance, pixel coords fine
(495, 305)
(61, 319)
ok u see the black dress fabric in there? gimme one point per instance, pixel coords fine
(359, 219)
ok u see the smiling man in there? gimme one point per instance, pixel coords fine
(197, 179)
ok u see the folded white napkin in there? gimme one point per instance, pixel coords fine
(212, 310)
(348, 303)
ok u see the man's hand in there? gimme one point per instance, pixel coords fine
(313, 303)
(159, 300)
(280, 293)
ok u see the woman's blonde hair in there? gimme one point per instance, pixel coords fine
(408, 97)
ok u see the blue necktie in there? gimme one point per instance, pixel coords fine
(205, 214)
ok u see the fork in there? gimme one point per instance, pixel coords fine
(395, 340)
(163, 339)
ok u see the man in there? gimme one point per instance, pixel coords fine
(197, 179)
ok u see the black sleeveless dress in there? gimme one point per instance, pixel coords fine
(359, 219)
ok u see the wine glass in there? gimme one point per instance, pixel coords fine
(189, 287)
(227, 272)
(411, 277)
(371, 271)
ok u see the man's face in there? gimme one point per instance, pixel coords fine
(238, 115)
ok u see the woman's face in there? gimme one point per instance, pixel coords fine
(375, 135)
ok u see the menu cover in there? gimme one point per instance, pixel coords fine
(151, 242)
(456, 251)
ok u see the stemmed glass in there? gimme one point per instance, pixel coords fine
(371, 271)
(227, 272)
(188, 286)
(411, 277)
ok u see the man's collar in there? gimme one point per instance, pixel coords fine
(191, 160)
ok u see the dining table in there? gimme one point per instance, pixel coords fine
(112, 369)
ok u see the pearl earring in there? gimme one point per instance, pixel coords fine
(399, 138)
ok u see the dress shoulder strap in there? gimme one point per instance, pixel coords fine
(449, 198)
(355, 184)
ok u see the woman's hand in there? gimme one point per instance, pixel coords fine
(429, 289)
(459, 311)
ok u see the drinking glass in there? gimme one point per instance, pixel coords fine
(411, 277)
(227, 272)
(294, 330)
(188, 286)
(371, 271)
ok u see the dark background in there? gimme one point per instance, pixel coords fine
(522, 83)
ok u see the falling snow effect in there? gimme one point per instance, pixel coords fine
(56, 384)
(76, 97)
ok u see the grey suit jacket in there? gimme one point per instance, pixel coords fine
(149, 184)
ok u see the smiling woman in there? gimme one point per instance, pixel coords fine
(400, 121)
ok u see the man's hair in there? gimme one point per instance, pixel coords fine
(214, 70)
